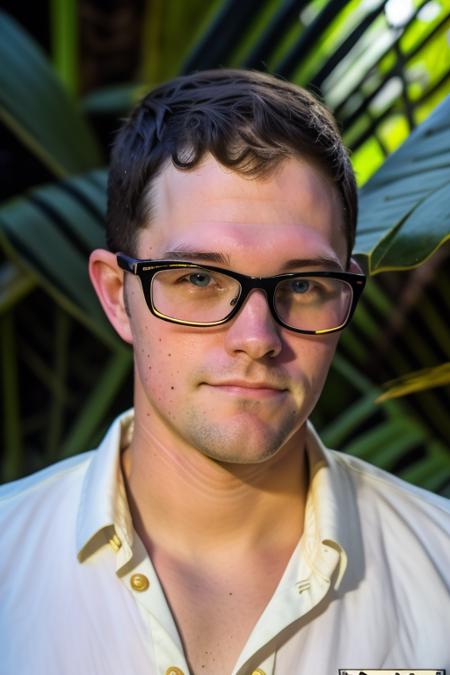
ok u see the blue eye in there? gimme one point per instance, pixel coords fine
(200, 279)
(300, 285)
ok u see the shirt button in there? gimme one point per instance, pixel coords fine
(259, 671)
(139, 582)
(173, 670)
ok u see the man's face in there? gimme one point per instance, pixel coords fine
(237, 392)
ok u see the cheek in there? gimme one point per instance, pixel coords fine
(314, 355)
(158, 380)
(311, 369)
(164, 358)
(323, 356)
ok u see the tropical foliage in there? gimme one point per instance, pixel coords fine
(64, 372)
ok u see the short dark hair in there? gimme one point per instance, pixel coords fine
(249, 121)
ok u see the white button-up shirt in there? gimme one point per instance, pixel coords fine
(366, 587)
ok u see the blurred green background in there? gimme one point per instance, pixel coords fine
(70, 71)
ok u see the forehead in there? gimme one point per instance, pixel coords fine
(295, 207)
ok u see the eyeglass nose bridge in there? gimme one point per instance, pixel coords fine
(250, 284)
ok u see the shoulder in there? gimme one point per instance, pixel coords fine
(47, 490)
(389, 491)
(398, 521)
(38, 516)
(396, 541)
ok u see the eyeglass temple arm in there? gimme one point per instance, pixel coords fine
(126, 263)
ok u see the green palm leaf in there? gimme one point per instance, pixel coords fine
(387, 435)
(50, 232)
(36, 107)
(405, 206)
(419, 380)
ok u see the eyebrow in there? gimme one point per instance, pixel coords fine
(293, 264)
(199, 256)
(331, 264)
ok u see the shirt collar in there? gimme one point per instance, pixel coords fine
(324, 541)
(104, 516)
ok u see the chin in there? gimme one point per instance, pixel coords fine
(244, 442)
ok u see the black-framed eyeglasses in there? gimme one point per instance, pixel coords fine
(203, 295)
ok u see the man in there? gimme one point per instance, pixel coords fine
(211, 533)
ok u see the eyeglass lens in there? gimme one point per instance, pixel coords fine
(194, 294)
(204, 296)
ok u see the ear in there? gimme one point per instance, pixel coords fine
(108, 281)
(355, 267)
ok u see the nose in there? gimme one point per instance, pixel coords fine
(254, 331)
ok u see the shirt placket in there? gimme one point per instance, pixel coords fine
(141, 580)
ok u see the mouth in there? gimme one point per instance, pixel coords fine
(245, 389)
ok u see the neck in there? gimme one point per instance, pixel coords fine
(182, 501)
